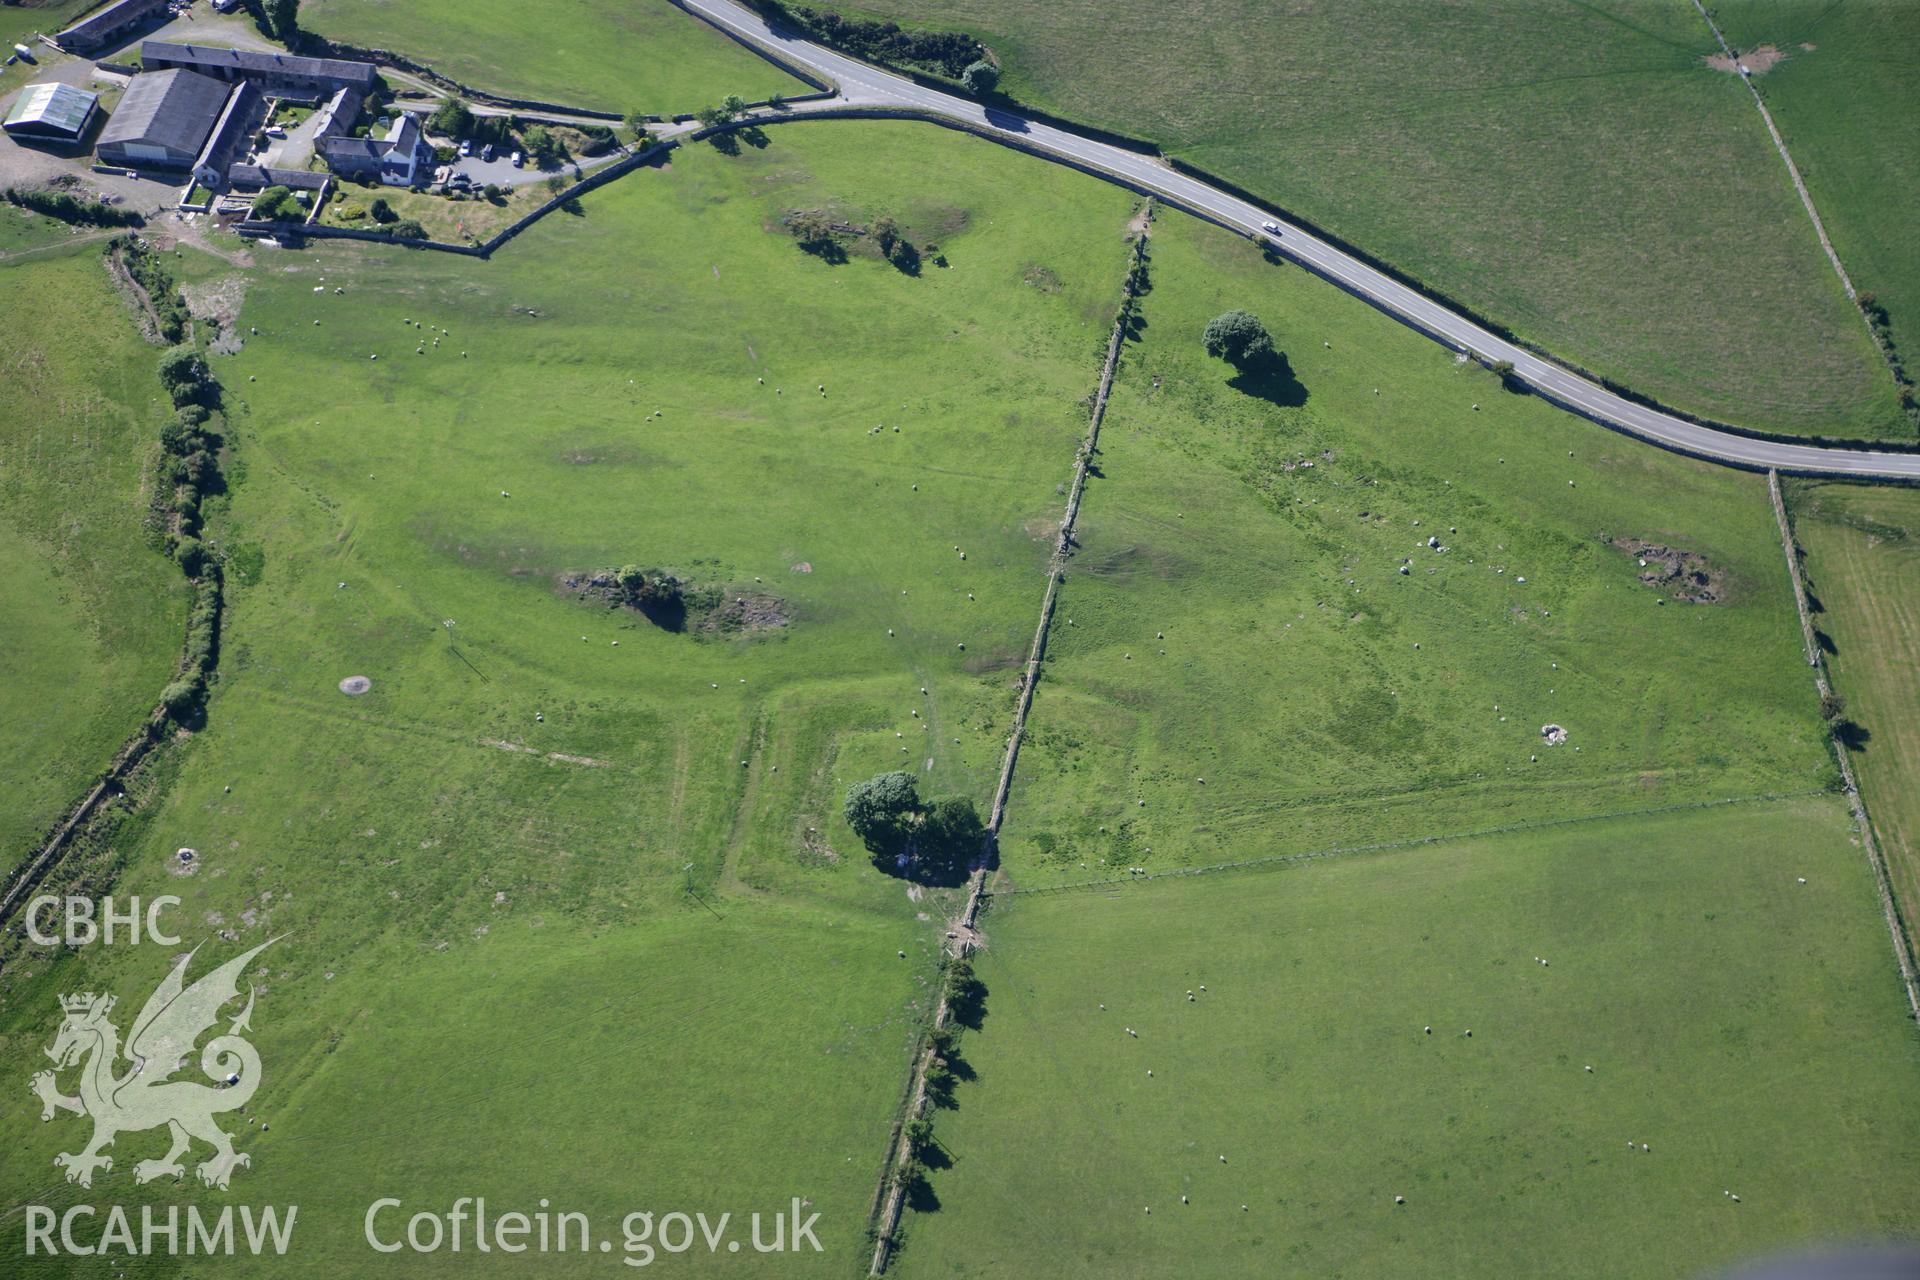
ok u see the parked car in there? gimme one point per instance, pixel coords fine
(517, 159)
(275, 131)
(486, 153)
(466, 147)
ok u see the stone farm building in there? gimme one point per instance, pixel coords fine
(284, 75)
(397, 158)
(103, 27)
(53, 111)
(181, 120)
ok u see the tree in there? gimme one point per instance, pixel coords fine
(637, 121)
(182, 696)
(279, 204)
(733, 105)
(1833, 709)
(882, 808)
(980, 78)
(1239, 337)
(184, 374)
(192, 555)
(382, 211)
(556, 183)
(282, 19)
(632, 579)
(407, 229)
(453, 118)
(544, 146)
(886, 234)
(813, 231)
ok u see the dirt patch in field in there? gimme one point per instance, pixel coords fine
(217, 300)
(1684, 575)
(746, 615)
(1757, 61)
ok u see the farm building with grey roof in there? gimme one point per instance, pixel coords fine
(285, 74)
(102, 27)
(163, 120)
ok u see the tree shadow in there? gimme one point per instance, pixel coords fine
(754, 136)
(1854, 737)
(969, 1007)
(1270, 377)
(1000, 118)
(827, 249)
(668, 615)
(1825, 641)
(905, 864)
(921, 1197)
(1135, 326)
(905, 258)
(1813, 603)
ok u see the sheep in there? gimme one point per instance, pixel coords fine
(1399, 1199)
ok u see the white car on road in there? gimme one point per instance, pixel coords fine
(1271, 228)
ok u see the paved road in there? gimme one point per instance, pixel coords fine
(863, 85)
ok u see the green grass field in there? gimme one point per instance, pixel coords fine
(1236, 615)
(19, 22)
(608, 55)
(91, 616)
(1748, 1029)
(565, 905)
(1573, 171)
(1841, 81)
(1863, 562)
(482, 866)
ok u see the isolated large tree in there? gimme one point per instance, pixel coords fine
(881, 808)
(1238, 336)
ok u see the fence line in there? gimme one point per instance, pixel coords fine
(1882, 880)
(902, 1146)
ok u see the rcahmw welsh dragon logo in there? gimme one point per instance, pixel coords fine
(142, 1096)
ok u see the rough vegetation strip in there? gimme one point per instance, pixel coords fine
(902, 1151)
(1882, 881)
(182, 699)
